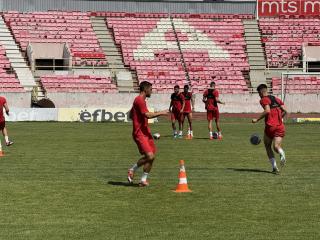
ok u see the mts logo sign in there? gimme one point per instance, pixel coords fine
(269, 8)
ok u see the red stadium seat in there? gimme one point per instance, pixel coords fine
(78, 83)
(8, 82)
(283, 38)
(297, 85)
(166, 62)
(57, 26)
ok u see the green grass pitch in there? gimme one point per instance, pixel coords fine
(65, 181)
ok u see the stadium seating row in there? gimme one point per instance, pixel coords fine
(180, 46)
(174, 15)
(166, 49)
(283, 39)
(147, 50)
(73, 28)
(78, 83)
(8, 82)
(297, 85)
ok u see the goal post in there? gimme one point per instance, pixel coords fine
(299, 82)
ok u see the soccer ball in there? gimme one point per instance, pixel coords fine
(215, 135)
(156, 136)
(255, 139)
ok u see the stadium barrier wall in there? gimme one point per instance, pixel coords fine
(70, 114)
(32, 114)
(18, 100)
(235, 103)
(93, 115)
(116, 107)
(130, 6)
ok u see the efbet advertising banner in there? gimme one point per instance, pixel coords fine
(31, 114)
(95, 115)
(271, 8)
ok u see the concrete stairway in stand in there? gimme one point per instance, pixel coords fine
(122, 75)
(255, 53)
(15, 57)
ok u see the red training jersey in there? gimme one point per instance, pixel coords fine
(2, 102)
(211, 95)
(187, 98)
(140, 121)
(177, 101)
(274, 118)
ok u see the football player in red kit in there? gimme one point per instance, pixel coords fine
(274, 132)
(211, 100)
(141, 133)
(188, 108)
(4, 105)
(176, 108)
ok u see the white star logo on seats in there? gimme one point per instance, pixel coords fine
(197, 40)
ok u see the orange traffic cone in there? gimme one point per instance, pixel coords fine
(183, 184)
(1, 154)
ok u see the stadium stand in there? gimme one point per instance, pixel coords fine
(73, 28)
(283, 38)
(301, 84)
(146, 50)
(164, 49)
(214, 50)
(78, 83)
(8, 81)
(184, 49)
(170, 43)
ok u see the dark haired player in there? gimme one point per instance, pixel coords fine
(141, 133)
(187, 110)
(274, 111)
(176, 108)
(211, 100)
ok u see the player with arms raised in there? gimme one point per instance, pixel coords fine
(142, 134)
(176, 108)
(274, 111)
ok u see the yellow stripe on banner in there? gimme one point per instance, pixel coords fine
(302, 120)
(95, 115)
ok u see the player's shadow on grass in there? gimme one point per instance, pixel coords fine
(170, 136)
(201, 138)
(167, 136)
(249, 170)
(124, 184)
